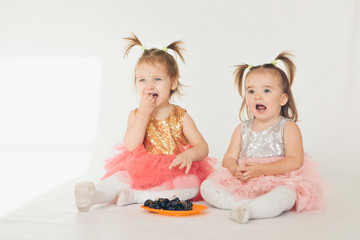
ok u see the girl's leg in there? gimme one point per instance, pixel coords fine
(219, 197)
(129, 196)
(272, 204)
(182, 190)
(88, 194)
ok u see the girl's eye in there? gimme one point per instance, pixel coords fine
(157, 79)
(141, 80)
(251, 91)
(267, 90)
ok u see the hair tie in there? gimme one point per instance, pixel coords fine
(165, 49)
(250, 66)
(274, 62)
(143, 48)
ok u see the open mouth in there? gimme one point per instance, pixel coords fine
(155, 95)
(260, 107)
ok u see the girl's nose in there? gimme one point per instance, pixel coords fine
(148, 89)
(258, 96)
(149, 86)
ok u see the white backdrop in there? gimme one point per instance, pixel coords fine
(66, 90)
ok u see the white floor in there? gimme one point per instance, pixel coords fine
(54, 216)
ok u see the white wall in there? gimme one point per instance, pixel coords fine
(66, 90)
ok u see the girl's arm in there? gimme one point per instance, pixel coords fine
(137, 123)
(199, 149)
(135, 131)
(293, 160)
(231, 157)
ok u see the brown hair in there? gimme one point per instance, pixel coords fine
(155, 55)
(289, 109)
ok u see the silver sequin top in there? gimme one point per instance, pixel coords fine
(267, 143)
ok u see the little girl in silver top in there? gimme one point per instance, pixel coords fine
(265, 170)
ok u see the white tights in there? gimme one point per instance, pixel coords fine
(271, 204)
(88, 194)
(218, 197)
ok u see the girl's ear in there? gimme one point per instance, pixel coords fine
(284, 99)
(174, 83)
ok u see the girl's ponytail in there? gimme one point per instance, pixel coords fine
(289, 109)
(177, 48)
(133, 41)
(289, 64)
(239, 83)
(239, 75)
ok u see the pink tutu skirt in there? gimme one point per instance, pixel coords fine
(147, 170)
(310, 188)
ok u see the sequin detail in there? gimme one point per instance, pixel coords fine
(267, 143)
(166, 136)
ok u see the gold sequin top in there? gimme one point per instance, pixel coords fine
(166, 136)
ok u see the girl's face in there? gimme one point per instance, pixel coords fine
(264, 95)
(153, 79)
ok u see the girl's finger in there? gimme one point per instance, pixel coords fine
(182, 165)
(188, 168)
(243, 180)
(242, 168)
(174, 163)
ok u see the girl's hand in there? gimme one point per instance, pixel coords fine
(183, 160)
(147, 103)
(235, 171)
(250, 170)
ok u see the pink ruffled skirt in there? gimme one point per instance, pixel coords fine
(148, 170)
(310, 188)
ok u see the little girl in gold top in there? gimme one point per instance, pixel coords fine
(163, 154)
